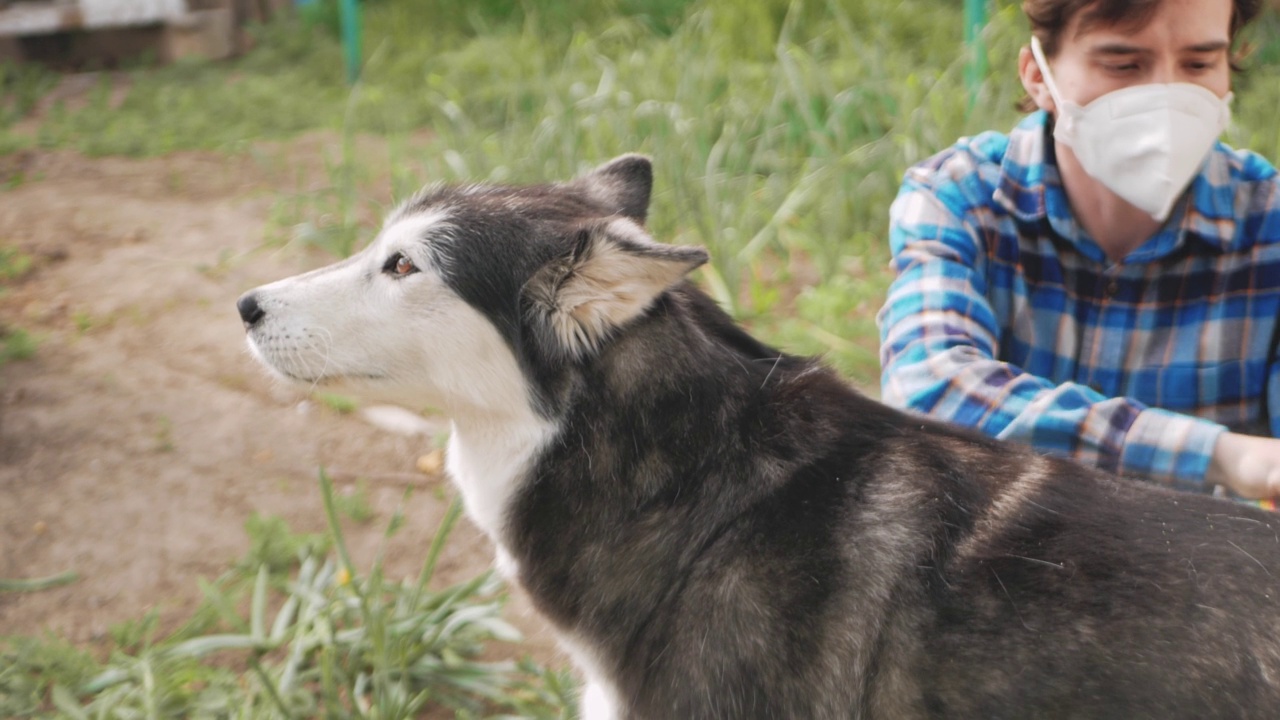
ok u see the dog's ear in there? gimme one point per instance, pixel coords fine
(623, 184)
(614, 273)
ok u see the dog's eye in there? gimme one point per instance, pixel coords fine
(399, 265)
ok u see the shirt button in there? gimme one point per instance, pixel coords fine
(1113, 287)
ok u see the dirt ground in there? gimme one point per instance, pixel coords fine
(141, 435)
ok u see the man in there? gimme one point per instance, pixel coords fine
(1103, 282)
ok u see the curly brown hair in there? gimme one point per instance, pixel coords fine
(1050, 18)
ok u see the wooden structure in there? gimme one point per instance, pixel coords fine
(92, 34)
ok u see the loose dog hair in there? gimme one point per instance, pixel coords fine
(717, 529)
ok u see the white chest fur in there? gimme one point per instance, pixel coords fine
(489, 460)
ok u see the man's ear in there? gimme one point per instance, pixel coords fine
(623, 184)
(1033, 81)
(615, 273)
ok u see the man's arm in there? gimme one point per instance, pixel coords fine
(939, 346)
(1250, 465)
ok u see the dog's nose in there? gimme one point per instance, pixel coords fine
(250, 311)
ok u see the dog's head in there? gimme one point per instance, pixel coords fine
(468, 293)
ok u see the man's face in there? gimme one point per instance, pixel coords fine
(1186, 41)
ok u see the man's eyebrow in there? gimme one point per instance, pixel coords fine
(1118, 48)
(1210, 46)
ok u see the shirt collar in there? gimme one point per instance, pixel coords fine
(1031, 190)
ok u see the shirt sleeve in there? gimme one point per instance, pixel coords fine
(939, 347)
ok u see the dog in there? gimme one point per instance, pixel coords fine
(717, 529)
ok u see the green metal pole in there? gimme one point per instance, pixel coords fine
(350, 16)
(975, 18)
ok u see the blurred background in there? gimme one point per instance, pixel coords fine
(779, 129)
(169, 542)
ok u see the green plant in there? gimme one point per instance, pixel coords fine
(341, 404)
(16, 344)
(34, 669)
(21, 87)
(780, 130)
(164, 435)
(82, 320)
(353, 502)
(274, 545)
(34, 584)
(136, 634)
(14, 263)
(303, 638)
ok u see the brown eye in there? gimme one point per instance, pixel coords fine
(399, 265)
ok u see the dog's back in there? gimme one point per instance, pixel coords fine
(719, 530)
(741, 535)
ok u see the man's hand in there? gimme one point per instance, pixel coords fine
(1249, 465)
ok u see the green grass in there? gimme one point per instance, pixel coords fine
(294, 630)
(14, 263)
(341, 404)
(779, 129)
(15, 343)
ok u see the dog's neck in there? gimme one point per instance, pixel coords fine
(487, 455)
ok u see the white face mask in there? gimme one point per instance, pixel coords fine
(1144, 143)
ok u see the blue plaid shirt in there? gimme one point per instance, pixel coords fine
(1007, 317)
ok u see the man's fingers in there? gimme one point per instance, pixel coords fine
(1273, 484)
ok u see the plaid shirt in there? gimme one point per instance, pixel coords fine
(1006, 316)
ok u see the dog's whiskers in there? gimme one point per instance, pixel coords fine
(323, 353)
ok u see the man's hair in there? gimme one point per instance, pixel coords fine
(1050, 18)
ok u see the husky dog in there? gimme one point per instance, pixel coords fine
(717, 529)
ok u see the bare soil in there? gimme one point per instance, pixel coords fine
(139, 438)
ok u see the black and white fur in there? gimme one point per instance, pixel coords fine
(720, 530)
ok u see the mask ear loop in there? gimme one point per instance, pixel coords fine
(1038, 53)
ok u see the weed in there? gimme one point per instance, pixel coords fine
(16, 344)
(353, 502)
(83, 321)
(21, 87)
(164, 435)
(292, 633)
(219, 268)
(33, 668)
(34, 584)
(132, 636)
(341, 404)
(14, 263)
(273, 545)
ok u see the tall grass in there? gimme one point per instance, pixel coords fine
(779, 129)
(296, 631)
